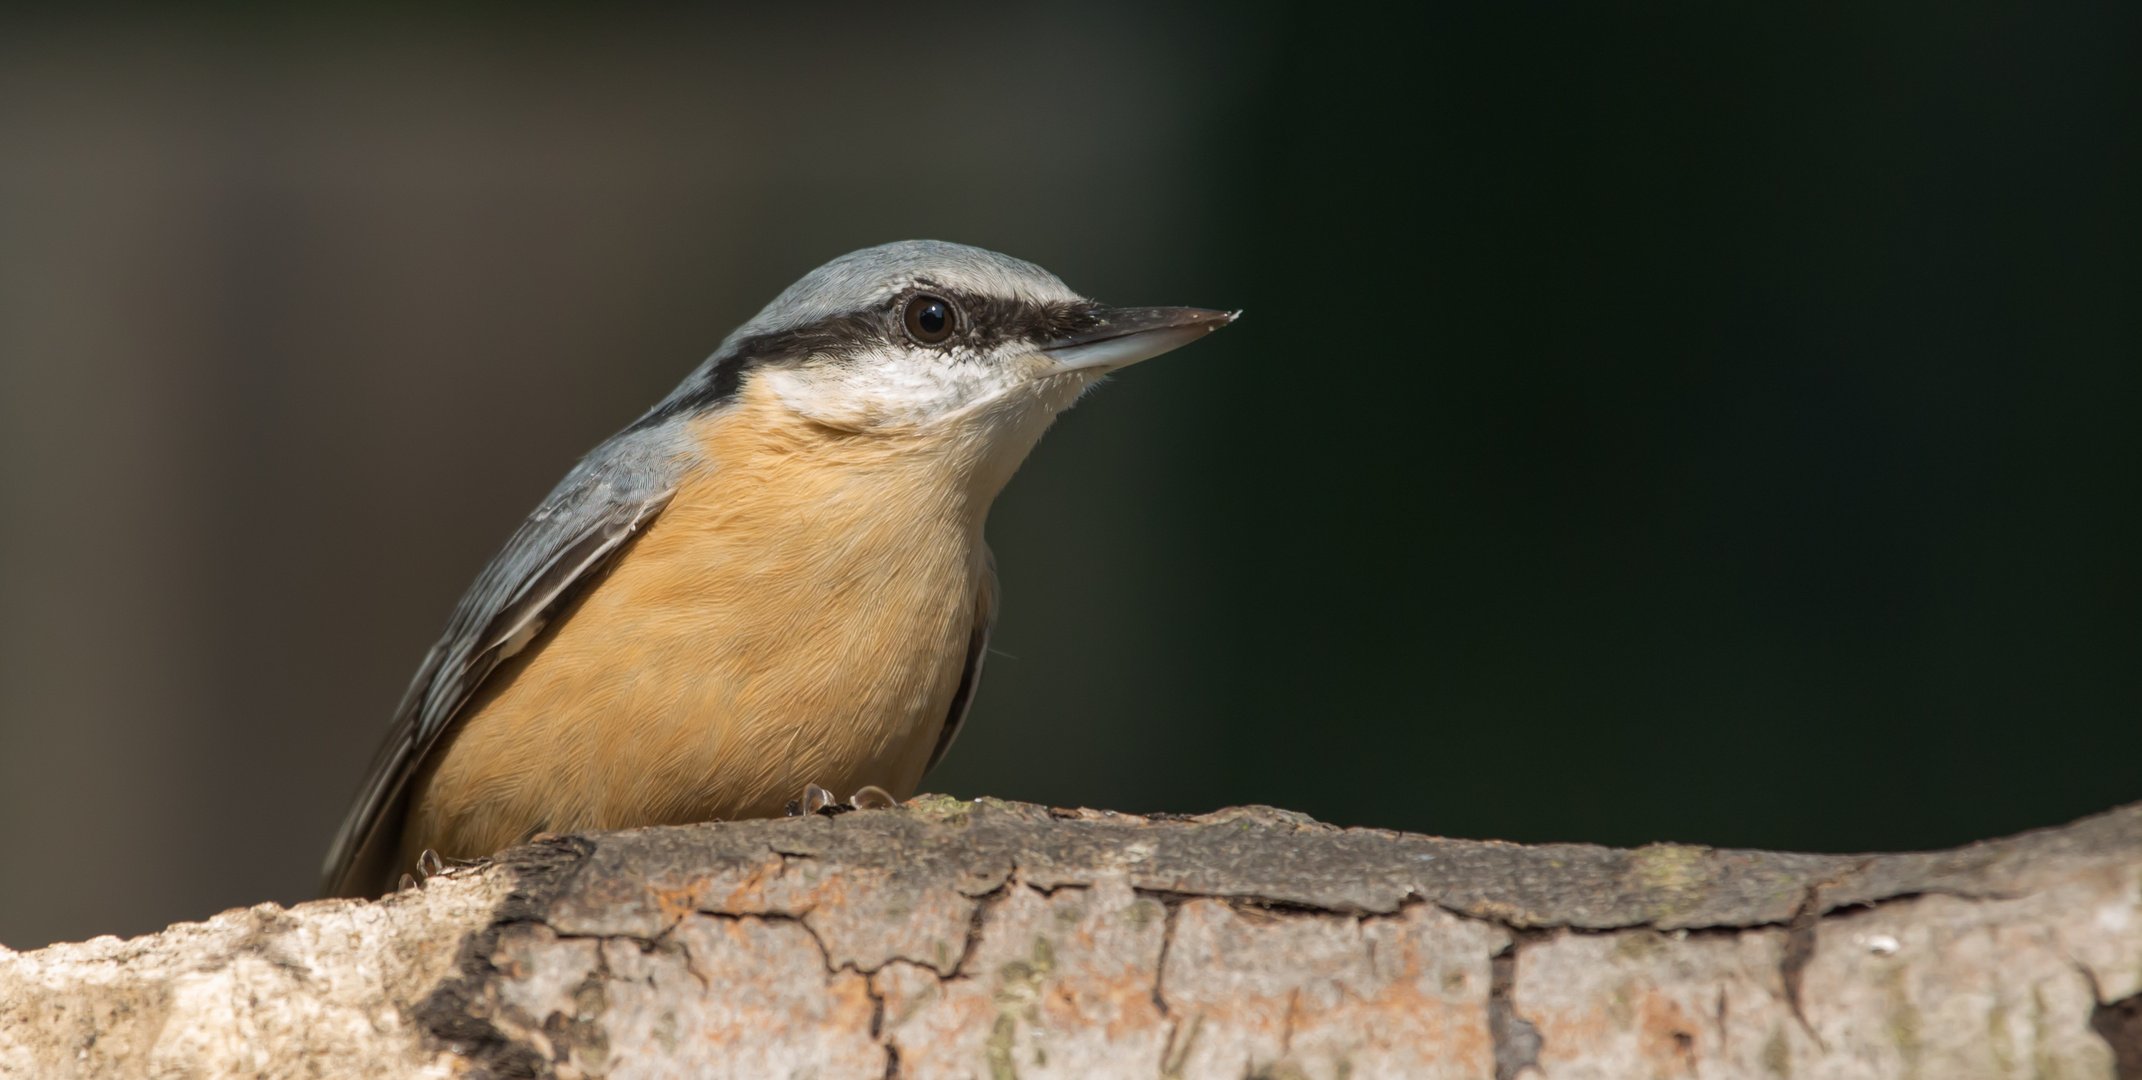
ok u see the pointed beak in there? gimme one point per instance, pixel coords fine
(1120, 337)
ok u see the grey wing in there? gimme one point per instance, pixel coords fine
(970, 678)
(584, 523)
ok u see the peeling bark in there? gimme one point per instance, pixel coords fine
(992, 939)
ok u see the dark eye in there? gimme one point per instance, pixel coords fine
(929, 319)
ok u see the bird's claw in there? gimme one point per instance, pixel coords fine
(817, 800)
(871, 797)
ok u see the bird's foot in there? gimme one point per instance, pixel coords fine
(817, 800)
(872, 797)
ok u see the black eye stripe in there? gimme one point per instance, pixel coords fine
(981, 322)
(989, 321)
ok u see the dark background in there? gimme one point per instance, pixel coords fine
(1670, 422)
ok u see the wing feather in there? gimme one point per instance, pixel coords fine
(585, 522)
(970, 677)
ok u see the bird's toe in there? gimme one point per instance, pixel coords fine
(872, 797)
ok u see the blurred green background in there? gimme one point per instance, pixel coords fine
(1668, 421)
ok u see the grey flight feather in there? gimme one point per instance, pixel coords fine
(970, 677)
(586, 520)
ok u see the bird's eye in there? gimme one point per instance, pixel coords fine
(929, 319)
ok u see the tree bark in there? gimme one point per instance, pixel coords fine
(994, 939)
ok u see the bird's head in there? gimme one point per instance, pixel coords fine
(922, 334)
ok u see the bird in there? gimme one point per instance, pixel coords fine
(773, 581)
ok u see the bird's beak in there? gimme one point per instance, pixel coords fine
(1124, 336)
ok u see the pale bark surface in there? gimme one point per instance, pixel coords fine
(999, 940)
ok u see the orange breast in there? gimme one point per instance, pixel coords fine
(799, 613)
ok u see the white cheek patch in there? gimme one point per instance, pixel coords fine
(898, 388)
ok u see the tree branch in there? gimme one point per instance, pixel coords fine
(1003, 939)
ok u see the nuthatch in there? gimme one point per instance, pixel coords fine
(775, 578)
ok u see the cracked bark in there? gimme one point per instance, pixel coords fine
(1005, 940)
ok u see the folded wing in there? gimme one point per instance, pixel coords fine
(560, 549)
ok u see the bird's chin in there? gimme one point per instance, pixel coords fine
(1043, 394)
(1052, 382)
